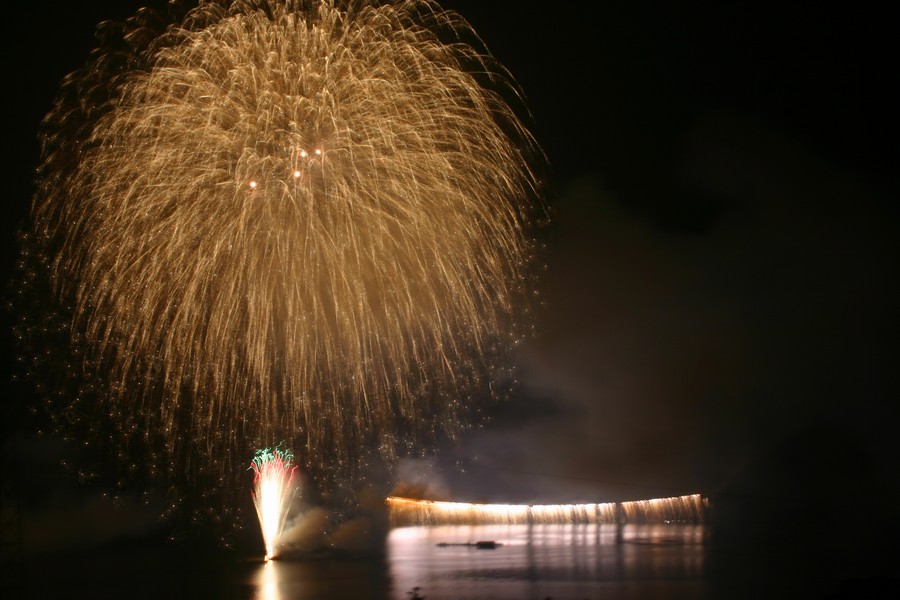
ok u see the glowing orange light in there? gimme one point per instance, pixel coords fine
(406, 511)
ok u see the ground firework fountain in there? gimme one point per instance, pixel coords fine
(281, 219)
(274, 488)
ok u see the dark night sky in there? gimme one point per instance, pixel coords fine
(720, 299)
(721, 269)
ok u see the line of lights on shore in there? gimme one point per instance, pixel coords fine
(407, 511)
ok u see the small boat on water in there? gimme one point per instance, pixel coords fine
(482, 545)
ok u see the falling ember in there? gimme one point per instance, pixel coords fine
(270, 219)
(273, 490)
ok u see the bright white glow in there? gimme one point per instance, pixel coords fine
(274, 490)
(253, 184)
(270, 502)
(406, 511)
(296, 174)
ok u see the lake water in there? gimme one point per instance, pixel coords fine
(528, 562)
(562, 562)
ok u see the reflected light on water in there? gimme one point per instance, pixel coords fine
(267, 584)
(549, 560)
(320, 577)
(650, 549)
(575, 560)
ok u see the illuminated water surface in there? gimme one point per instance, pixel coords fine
(575, 562)
(538, 561)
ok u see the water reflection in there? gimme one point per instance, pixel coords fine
(268, 582)
(320, 579)
(549, 560)
(537, 561)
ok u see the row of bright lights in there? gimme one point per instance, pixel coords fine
(441, 505)
(303, 154)
(511, 513)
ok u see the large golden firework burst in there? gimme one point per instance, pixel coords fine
(301, 220)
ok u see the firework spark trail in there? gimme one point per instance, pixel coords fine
(274, 489)
(287, 219)
(682, 509)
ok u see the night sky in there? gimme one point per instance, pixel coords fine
(719, 306)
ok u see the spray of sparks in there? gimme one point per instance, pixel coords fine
(302, 219)
(273, 490)
(681, 509)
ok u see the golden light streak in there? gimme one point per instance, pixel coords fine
(286, 220)
(407, 511)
